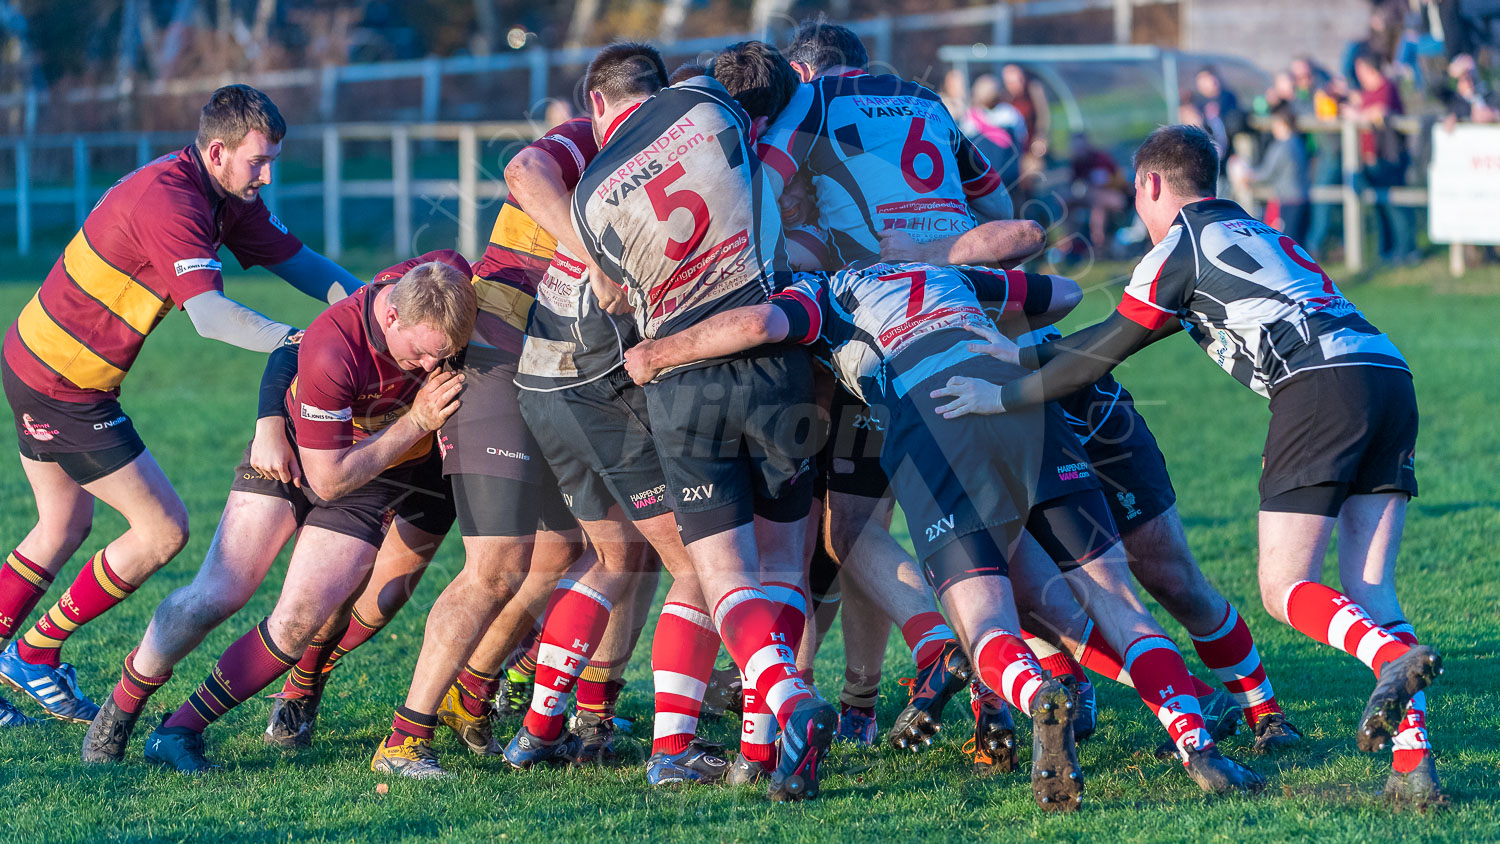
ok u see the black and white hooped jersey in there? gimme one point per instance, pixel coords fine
(1252, 298)
(891, 326)
(882, 153)
(677, 206)
(570, 339)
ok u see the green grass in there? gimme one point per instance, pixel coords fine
(193, 402)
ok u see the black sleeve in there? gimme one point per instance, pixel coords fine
(281, 369)
(1073, 362)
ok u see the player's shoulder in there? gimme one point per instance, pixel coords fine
(1166, 254)
(335, 332)
(165, 193)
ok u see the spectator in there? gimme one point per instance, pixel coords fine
(1384, 159)
(1222, 116)
(1284, 170)
(1469, 100)
(1098, 187)
(954, 95)
(1028, 98)
(995, 127)
(1328, 161)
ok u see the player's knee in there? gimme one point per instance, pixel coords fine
(1273, 597)
(168, 533)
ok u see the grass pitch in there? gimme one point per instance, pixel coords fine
(194, 401)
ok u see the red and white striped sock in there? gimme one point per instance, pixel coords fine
(1333, 619)
(757, 730)
(1229, 652)
(682, 659)
(757, 635)
(1054, 661)
(576, 618)
(793, 601)
(926, 633)
(1164, 684)
(1410, 746)
(1096, 655)
(1005, 665)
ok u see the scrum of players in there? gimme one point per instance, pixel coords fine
(723, 325)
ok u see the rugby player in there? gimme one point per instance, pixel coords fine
(1343, 428)
(408, 547)
(505, 496)
(363, 411)
(833, 137)
(591, 422)
(677, 205)
(894, 331)
(151, 243)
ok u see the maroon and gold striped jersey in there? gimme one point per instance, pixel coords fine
(150, 244)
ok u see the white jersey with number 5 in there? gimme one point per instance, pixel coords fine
(677, 206)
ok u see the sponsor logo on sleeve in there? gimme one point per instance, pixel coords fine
(318, 414)
(280, 226)
(192, 265)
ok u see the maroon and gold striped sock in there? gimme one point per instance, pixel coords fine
(94, 592)
(247, 666)
(134, 687)
(410, 723)
(308, 674)
(22, 585)
(476, 689)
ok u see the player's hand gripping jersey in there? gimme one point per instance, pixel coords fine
(883, 153)
(508, 274)
(679, 203)
(1252, 298)
(151, 243)
(890, 326)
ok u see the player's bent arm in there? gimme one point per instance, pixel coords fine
(999, 242)
(218, 317)
(316, 275)
(536, 182)
(993, 206)
(334, 473)
(718, 336)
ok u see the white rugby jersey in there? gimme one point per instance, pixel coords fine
(883, 153)
(1252, 297)
(678, 207)
(889, 326)
(570, 339)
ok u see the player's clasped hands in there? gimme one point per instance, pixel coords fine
(970, 395)
(437, 400)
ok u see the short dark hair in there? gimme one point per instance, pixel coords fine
(686, 71)
(235, 111)
(757, 76)
(626, 69)
(1184, 156)
(821, 45)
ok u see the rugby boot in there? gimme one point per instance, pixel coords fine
(10, 716)
(292, 719)
(1056, 777)
(804, 742)
(1218, 774)
(526, 750)
(596, 738)
(1086, 713)
(725, 693)
(54, 689)
(1400, 678)
(413, 758)
(1221, 715)
(700, 762)
(1274, 732)
(108, 733)
(931, 690)
(1418, 788)
(743, 771)
(993, 747)
(514, 695)
(178, 748)
(477, 732)
(857, 725)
